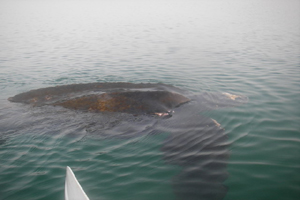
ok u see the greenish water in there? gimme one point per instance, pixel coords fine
(246, 47)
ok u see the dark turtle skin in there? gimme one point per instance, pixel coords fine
(141, 98)
(136, 102)
(196, 143)
(107, 97)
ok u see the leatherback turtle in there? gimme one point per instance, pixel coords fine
(148, 98)
(196, 143)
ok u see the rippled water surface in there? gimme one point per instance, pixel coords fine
(249, 47)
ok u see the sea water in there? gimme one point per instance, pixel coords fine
(249, 47)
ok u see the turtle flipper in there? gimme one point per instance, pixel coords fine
(199, 145)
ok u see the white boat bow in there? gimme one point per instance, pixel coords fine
(73, 190)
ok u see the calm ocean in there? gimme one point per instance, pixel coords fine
(249, 47)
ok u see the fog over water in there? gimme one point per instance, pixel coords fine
(249, 48)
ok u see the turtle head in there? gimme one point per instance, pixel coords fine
(215, 100)
(234, 99)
